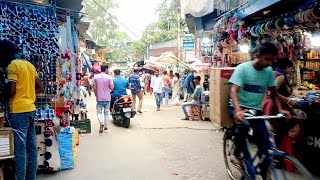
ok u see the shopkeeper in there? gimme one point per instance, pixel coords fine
(24, 84)
(282, 68)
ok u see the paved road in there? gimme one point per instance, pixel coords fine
(158, 145)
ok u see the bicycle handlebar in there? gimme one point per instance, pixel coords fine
(278, 116)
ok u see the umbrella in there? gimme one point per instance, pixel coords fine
(169, 59)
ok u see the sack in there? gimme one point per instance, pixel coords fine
(65, 149)
(75, 142)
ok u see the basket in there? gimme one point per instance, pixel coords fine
(82, 126)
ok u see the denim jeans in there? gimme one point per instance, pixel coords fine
(158, 97)
(103, 111)
(25, 146)
(260, 138)
(166, 95)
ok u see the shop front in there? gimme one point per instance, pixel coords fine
(47, 37)
(295, 31)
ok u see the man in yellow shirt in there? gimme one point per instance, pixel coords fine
(24, 84)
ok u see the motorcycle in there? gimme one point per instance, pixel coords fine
(122, 111)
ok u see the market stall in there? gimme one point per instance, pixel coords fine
(47, 41)
(296, 33)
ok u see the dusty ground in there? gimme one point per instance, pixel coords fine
(158, 145)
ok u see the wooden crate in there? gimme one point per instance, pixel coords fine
(219, 96)
(6, 143)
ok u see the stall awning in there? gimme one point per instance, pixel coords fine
(169, 59)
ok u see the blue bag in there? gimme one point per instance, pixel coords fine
(65, 149)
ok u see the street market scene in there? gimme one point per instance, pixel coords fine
(159, 89)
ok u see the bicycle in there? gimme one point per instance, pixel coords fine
(279, 160)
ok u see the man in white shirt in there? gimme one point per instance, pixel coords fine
(158, 88)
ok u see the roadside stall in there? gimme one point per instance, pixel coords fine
(297, 35)
(46, 40)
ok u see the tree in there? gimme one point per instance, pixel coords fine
(138, 49)
(165, 28)
(104, 28)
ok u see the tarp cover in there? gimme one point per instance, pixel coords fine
(169, 59)
(196, 8)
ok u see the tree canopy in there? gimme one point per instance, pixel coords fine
(164, 29)
(104, 28)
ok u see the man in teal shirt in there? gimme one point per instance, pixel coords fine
(250, 81)
(196, 98)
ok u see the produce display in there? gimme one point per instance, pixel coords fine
(308, 86)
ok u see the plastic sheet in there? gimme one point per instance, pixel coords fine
(65, 149)
(197, 8)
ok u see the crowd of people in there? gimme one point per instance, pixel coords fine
(110, 85)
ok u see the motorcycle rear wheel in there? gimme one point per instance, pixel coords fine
(126, 122)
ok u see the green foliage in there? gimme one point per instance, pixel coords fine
(164, 29)
(104, 28)
(138, 49)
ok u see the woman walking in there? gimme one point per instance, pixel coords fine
(176, 89)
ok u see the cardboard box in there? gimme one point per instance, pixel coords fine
(6, 142)
(219, 96)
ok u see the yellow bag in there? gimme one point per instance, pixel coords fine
(75, 141)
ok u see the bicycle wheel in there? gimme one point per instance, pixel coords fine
(228, 149)
(285, 167)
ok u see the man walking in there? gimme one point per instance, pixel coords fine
(24, 85)
(158, 87)
(102, 86)
(167, 87)
(134, 81)
(86, 83)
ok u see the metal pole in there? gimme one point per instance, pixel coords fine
(179, 34)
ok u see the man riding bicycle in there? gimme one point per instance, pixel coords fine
(250, 81)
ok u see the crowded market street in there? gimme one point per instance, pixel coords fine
(158, 145)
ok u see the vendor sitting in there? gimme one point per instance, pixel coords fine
(283, 68)
(196, 98)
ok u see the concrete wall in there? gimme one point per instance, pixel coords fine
(157, 49)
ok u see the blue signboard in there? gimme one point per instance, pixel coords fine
(188, 43)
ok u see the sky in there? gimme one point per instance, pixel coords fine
(136, 15)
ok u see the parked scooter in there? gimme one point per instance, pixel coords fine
(122, 111)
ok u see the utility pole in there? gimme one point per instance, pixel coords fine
(179, 31)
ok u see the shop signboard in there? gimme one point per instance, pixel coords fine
(188, 42)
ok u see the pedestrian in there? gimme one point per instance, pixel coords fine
(158, 87)
(103, 85)
(83, 96)
(196, 98)
(171, 75)
(134, 81)
(167, 87)
(176, 89)
(142, 82)
(24, 85)
(86, 83)
(188, 85)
